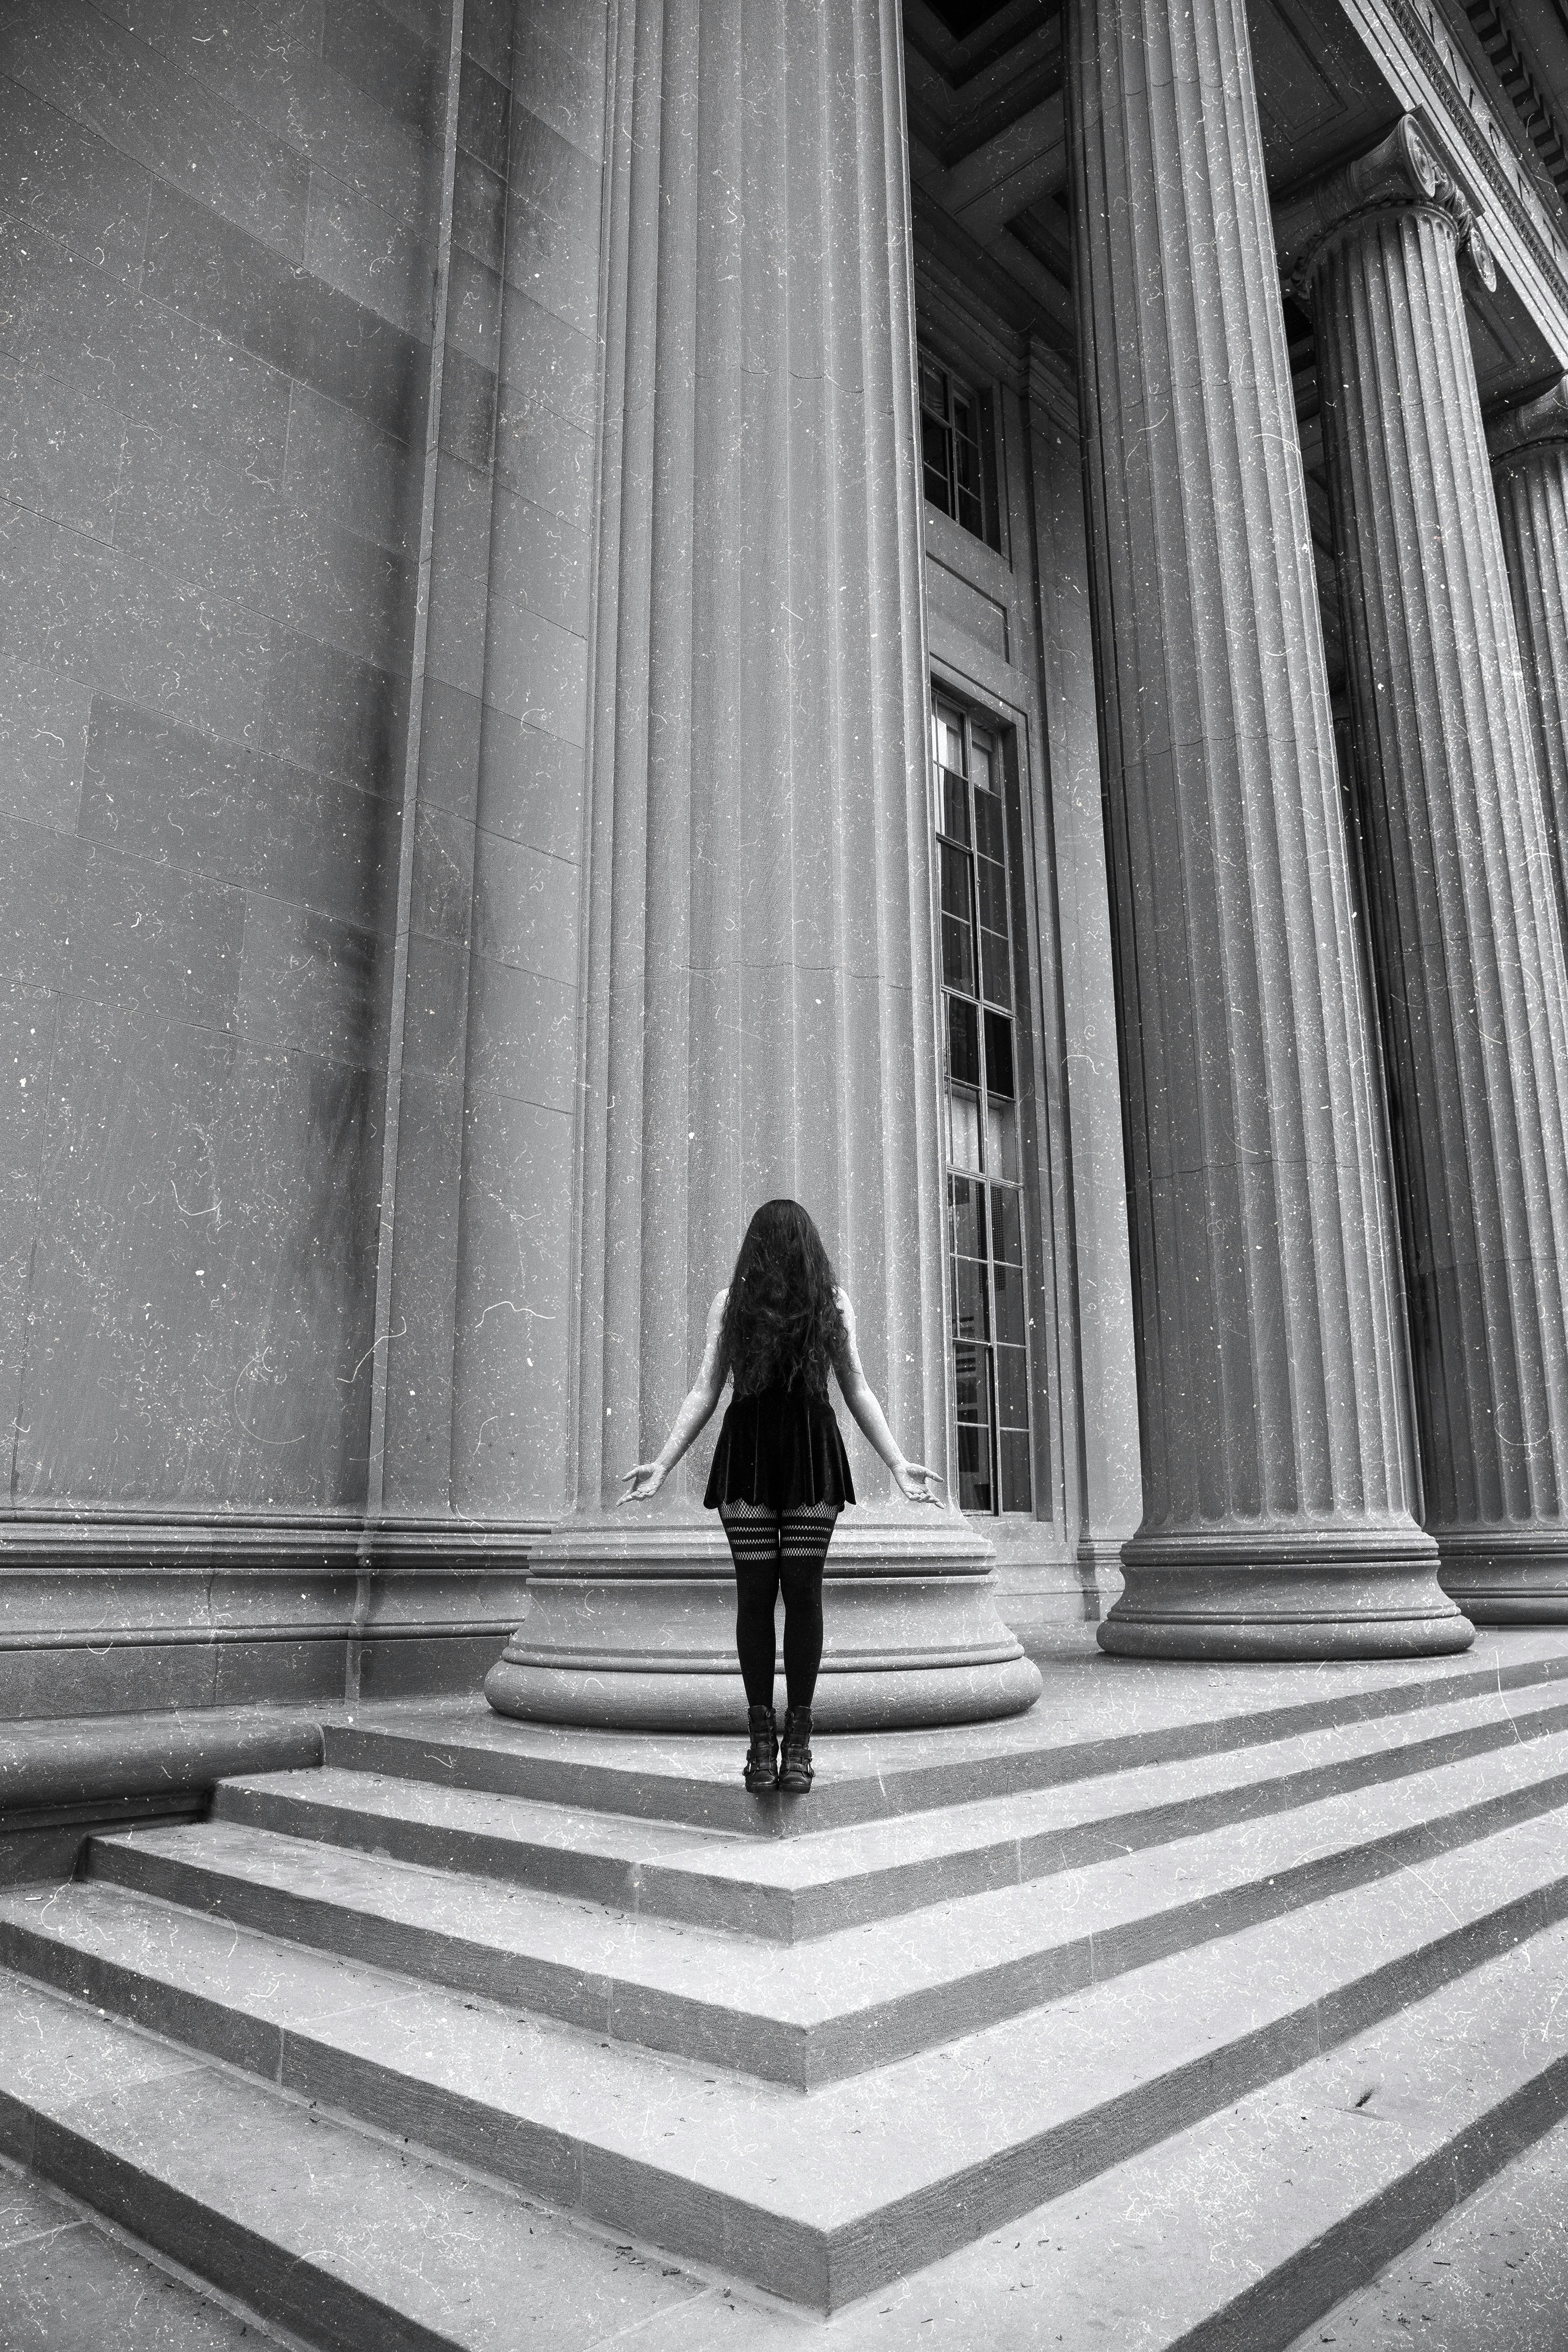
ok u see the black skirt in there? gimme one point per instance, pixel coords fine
(780, 1446)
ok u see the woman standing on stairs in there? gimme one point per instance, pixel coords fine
(779, 1475)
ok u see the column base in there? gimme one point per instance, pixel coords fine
(1284, 1598)
(634, 1628)
(1506, 1576)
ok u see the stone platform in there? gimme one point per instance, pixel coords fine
(1166, 2013)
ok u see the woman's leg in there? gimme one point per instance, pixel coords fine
(753, 1533)
(804, 1536)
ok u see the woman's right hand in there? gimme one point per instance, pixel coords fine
(655, 1474)
(915, 1483)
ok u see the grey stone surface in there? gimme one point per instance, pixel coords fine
(509, 628)
(790, 1889)
(758, 386)
(1362, 2044)
(1464, 905)
(70, 2286)
(1491, 2276)
(243, 729)
(208, 326)
(1529, 445)
(1278, 1451)
(339, 2236)
(869, 1993)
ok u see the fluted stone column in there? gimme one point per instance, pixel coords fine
(1273, 1384)
(761, 975)
(1529, 446)
(1464, 913)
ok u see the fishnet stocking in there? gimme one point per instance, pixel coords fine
(770, 1550)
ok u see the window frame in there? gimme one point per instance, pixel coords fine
(1016, 1179)
(956, 381)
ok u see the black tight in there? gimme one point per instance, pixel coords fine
(771, 1548)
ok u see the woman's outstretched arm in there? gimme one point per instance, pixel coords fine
(913, 1478)
(700, 1399)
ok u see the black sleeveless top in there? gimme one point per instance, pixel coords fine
(780, 1446)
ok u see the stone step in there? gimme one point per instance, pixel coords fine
(339, 2236)
(560, 1849)
(68, 2284)
(1148, 1713)
(866, 1994)
(826, 2196)
(1189, 2246)
(791, 1888)
(1490, 2274)
(1244, 2229)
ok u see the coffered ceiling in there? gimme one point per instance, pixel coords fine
(988, 148)
(988, 164)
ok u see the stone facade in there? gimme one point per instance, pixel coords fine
(490, 492)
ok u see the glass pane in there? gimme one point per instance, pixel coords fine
(980, 748)
(991, 879)
(934, 454)
(966, 1206)
(954, 806)
(949, 739)
(1009, 1324)
(999, 1056)
(1002, 1140)
(989, 826)
(957, 954)
(962, 1128)
(1011, 1388)
(933, 389)
(957, 938)
(974, 1468)
(993, 964)
(966, 465)
(962, 1042)
(1006, 1240)
(970, 1319)
(1016, 1487)
(971, 1384)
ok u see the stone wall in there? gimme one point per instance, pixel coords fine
(295, 615)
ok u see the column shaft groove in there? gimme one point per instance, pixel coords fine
(1529, 470)
(1277, 1450)
(760, 977)
(1465, 928)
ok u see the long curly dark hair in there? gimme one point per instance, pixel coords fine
(781, 1320)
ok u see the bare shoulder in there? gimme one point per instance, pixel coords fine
(717, 1307)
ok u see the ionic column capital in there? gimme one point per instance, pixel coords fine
(1401, 174)
(1525, 428)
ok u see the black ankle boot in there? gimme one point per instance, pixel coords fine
(762, 1760)
(794, 1772)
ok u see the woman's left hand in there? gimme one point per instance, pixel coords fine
(915, 1483)
(655, 1474)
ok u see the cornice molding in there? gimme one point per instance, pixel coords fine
(138, 1542)
(1485, 143)
(1051, 388)
(1402, 173)
(943, 301)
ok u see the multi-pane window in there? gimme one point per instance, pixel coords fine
(951, 446)
(986, 1223)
